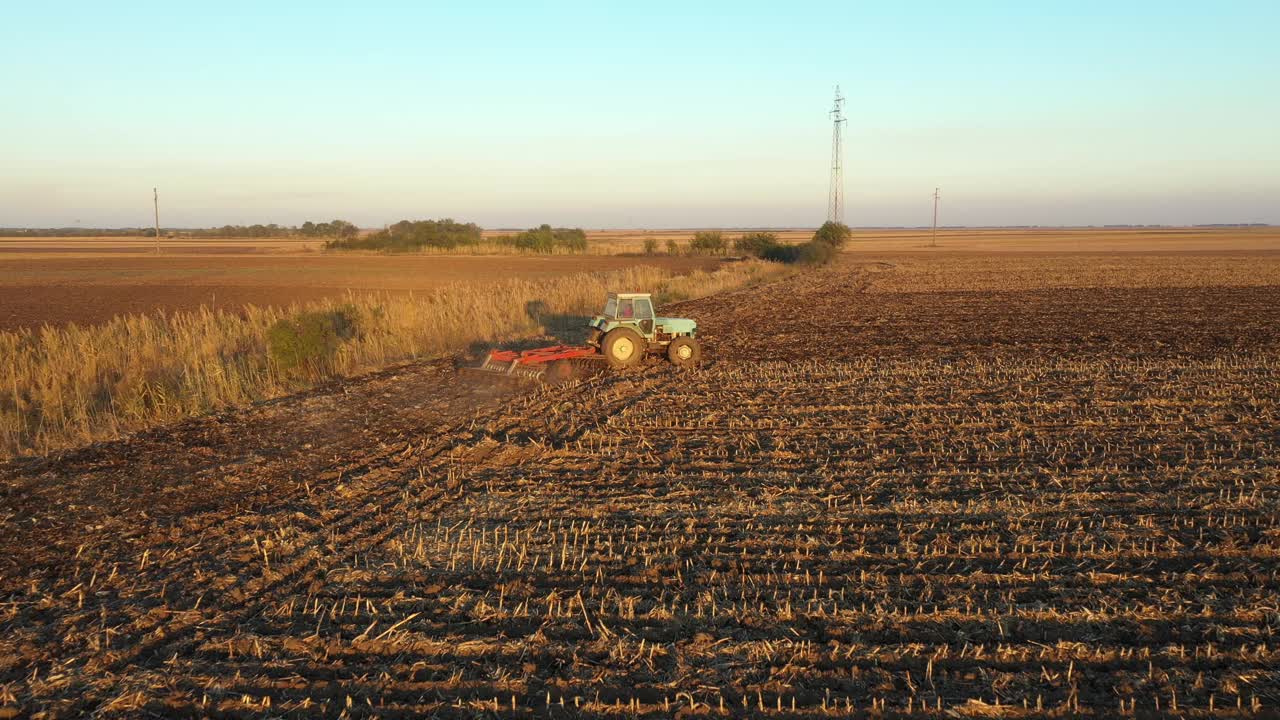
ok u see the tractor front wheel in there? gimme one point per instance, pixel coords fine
(623, 347)
(684, 352)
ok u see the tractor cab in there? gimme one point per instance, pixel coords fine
(633, 310)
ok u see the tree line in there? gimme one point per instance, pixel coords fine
(409, 235)
(448, 234)
(71, 232)
(546, 239)
(820, 249)
(331, 229)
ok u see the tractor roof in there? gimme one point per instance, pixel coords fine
(628, 296)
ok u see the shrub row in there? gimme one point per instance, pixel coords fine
(820, 249)
(447, 234)
(408, 235)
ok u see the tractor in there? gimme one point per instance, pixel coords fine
(624, 335)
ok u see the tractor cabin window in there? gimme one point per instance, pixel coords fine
(644, 309)
(611, 307)
(626, 309)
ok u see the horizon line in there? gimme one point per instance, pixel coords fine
(1019, 226)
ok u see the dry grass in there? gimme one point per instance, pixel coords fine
(65, 386)
(59, 288)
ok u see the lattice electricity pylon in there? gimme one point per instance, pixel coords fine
(835, 197)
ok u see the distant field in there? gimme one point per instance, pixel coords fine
(65, 284)
(89, 280)
(1055, 240)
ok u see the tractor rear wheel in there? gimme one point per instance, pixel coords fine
(623, 347)
(684, 352)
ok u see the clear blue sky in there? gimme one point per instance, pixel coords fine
(650, 114)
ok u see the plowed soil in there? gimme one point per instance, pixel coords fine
(899, 486)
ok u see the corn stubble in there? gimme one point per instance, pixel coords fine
(997, 536)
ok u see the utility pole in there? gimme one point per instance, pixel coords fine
(835, 195)
(155, 197)
(935, 218)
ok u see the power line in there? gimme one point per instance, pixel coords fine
(835, 197)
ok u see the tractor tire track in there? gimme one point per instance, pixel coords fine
(382, 481)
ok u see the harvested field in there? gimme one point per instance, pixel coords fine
(56, 281)
(902, 485)
(52, 288)
(1046, 240)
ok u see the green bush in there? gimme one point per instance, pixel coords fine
(783, 253)
(707, 242)
(305, 346)
(757, 244)
(816, 253)
(831, 233)
(820, 250)
(650, 246)
(409, 235)
(673, 246)
(546, 239)
(338, 229)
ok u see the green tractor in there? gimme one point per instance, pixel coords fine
(628, 330)
(624, 335)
